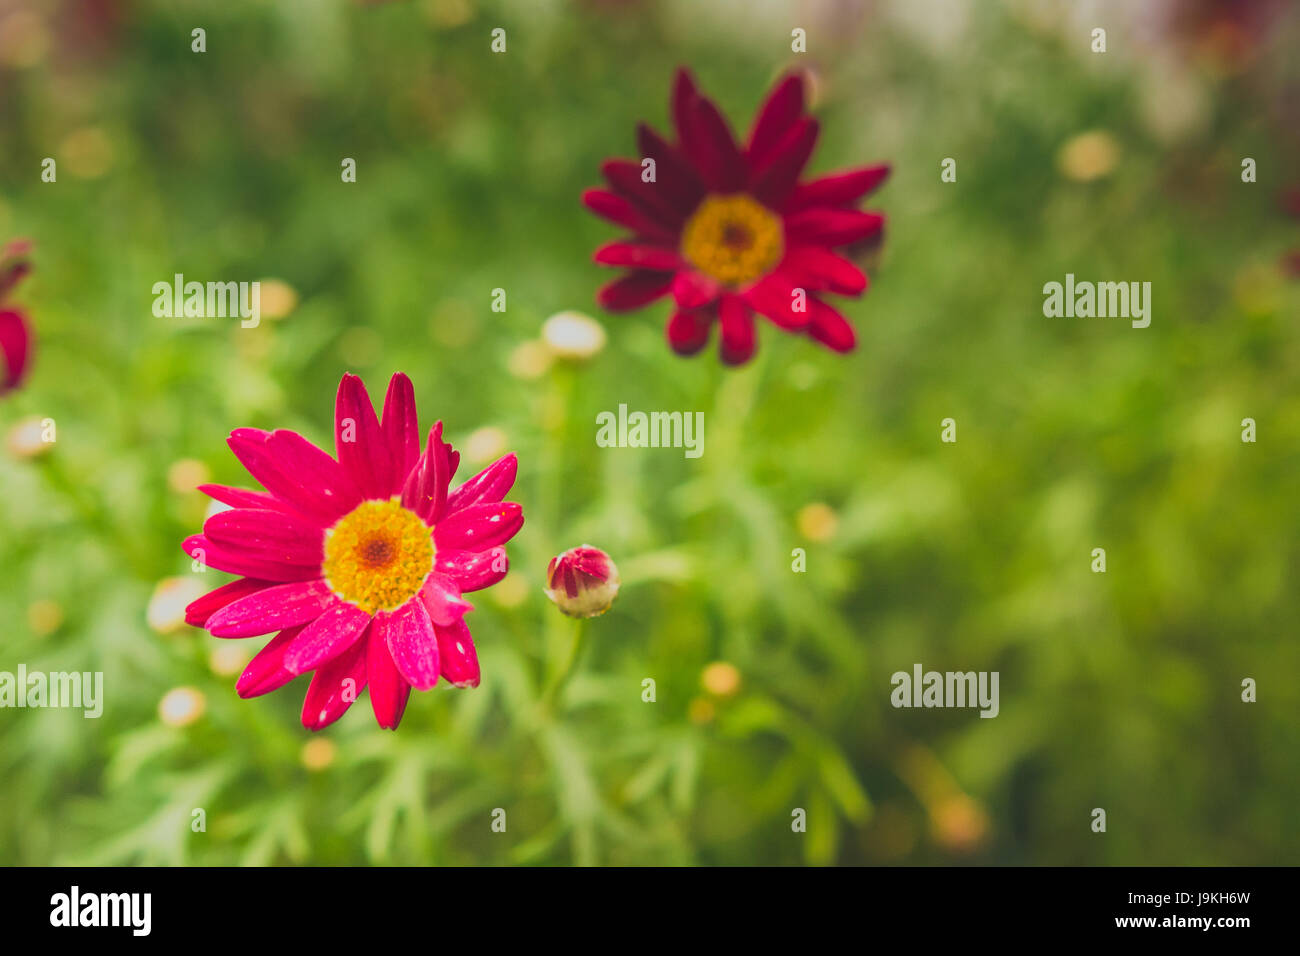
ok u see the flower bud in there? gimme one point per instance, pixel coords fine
(584, 581)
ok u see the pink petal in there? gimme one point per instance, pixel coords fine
(490, 485)
(283, 605)
(266, 671)
(267, 536)
(413, 646)
(479, 526)
(199, 610)
(388, 691)
(401, 428)
(426, 487)
(472, 571)
(335, 688)
(297, 472)
(243, 497)
(456, 654)
(326, 637)
(441, 596)
(15, 348)
(224, 558)
(359, 441)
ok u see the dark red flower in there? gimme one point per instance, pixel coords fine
(15, 330)
(730, 230)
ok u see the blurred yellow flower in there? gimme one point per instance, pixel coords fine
(184, 476)
(701, 710)
(86, 153)
(166, 611)
(27, 438)
(530, 360)
(278, 298)
(318, 753)
(721, 678)
(572, 335)
(1088, 156)
(44, 616)
(817, 521)
(181, 706)
(228, 658)
(485, 444)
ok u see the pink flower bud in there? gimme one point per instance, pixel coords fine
(584, 581)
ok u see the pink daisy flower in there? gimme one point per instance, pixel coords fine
(731, 230)
(358, 562)
(15, 330)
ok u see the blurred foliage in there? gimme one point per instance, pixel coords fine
(1119, 691)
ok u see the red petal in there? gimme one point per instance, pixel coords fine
(830, 328)
(819, 268)
(637, 256)
(623, 213)
(634, 290)
(775, 297)
(693, 290)
(831, 227)
(837, 189)
(781, 111)
(688, 331)
(737, 325)
(710, 147)
(775, 180)
(624, 176)
(672, 172)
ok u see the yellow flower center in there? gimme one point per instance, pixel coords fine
(735, 239)
(378, 556)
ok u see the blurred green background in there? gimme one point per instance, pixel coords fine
(1118, 690)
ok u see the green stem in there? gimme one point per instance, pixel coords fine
(566, 667)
